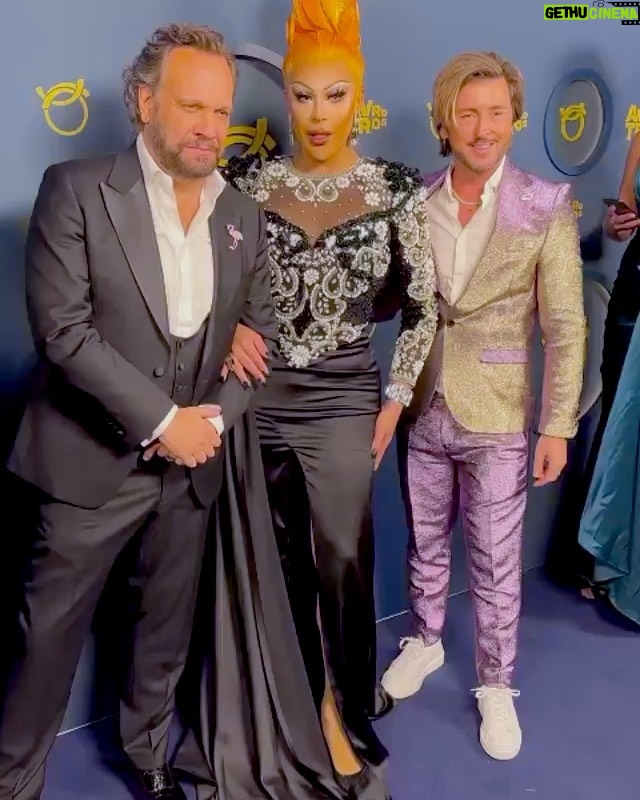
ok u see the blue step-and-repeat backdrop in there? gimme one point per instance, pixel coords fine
(61, 64)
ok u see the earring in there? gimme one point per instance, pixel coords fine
(292, 136)
(353, 137)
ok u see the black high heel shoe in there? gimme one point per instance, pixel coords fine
(352, 785)
(384, 704)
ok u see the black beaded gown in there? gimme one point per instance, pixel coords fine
(293, 598)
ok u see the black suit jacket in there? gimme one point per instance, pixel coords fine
(96, 302)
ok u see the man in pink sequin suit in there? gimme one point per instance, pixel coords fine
(507, 252)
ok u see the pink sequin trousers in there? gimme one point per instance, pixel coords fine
(484, 477)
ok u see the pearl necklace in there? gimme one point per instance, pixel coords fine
(465, 202)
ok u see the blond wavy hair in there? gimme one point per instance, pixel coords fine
(459, 72)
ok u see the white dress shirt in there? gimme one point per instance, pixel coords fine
(458, 249)
(186, 258)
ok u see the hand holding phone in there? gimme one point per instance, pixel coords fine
(620, 207)
(621, 221)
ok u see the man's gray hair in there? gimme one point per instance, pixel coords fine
(146, 68)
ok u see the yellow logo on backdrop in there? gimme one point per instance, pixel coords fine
(632, 122)
(578, 208)
(65, 94)
(518, 125)
(256, 139)
(371, 117)
(576, 113)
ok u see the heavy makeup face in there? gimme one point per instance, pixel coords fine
(323, 99)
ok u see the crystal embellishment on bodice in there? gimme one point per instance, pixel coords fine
(335, 242)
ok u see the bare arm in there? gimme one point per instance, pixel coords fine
(620, 227)
(626, 193)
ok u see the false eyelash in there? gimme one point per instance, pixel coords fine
(334, 96)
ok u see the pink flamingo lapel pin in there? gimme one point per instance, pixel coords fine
(235, 235)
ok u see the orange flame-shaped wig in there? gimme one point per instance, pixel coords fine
(319, 30)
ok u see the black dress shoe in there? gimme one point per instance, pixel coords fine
(384, 704)
(159, 784)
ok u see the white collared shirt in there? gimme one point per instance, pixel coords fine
(186, 258)
(457, 249)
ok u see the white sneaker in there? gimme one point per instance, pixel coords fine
(406, 673)
(500, 734)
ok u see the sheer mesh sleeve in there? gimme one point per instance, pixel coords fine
(413, 260)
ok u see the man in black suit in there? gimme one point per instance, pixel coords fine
(139, 267)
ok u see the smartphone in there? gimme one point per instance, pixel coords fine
(620, 207)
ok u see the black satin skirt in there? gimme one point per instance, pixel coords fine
(286, 600)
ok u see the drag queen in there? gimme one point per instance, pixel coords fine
(348, 237)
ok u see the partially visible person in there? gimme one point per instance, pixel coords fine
(622, 313)
(610, 525)
(346, 233)
(624, 305)
(135, 285)
(507, 253)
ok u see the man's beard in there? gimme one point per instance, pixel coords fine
(171, 160)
